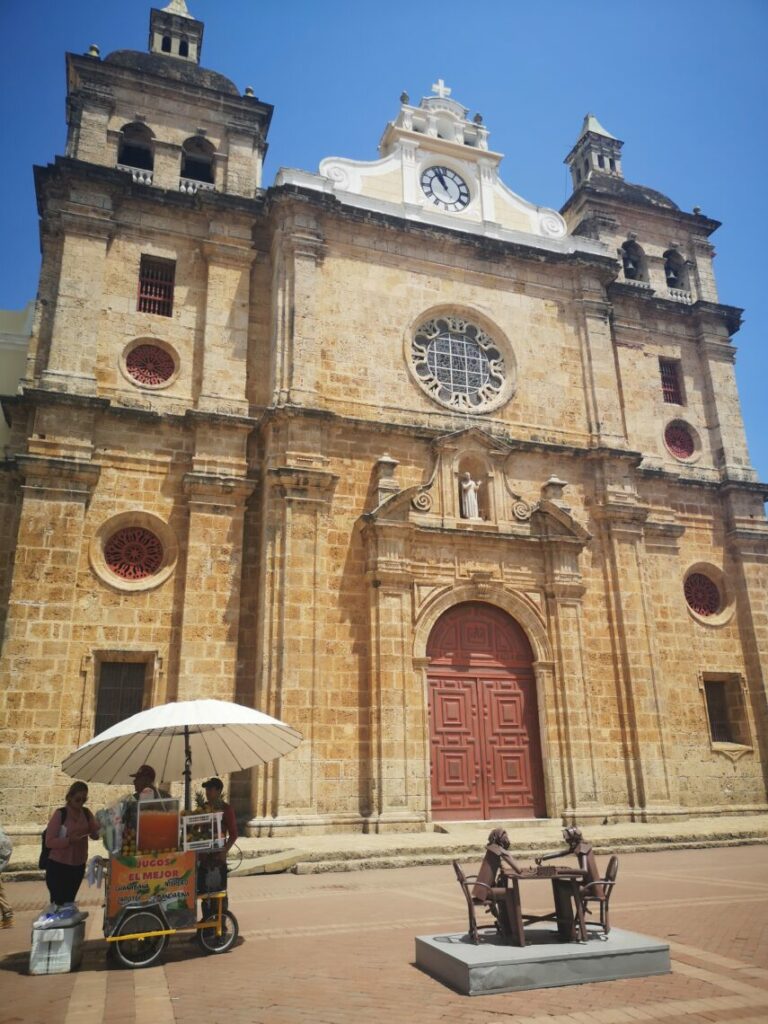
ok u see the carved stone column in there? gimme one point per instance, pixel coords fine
(225, 342)
(211, 615)
(748, 550)
(723, 411)
(40, 704)
(640, 701)
(397, 699)
(298, 253)
(73, 346)
(289, 793)
(603, 401)
(563, 540)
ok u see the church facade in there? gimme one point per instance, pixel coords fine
(454, 484)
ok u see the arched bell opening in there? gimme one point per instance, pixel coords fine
(485, 749)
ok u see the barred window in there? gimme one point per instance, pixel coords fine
(156, 280)
(670, 381)
(120, 692)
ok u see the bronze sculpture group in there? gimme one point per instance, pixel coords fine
(496, 888)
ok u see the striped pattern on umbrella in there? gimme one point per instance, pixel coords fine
(223, 738)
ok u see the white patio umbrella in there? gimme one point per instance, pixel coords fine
(213, 735)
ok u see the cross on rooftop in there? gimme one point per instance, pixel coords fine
(441, 88)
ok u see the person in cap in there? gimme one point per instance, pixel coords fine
(214, 802)
(144, 783)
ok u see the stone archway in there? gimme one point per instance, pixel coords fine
(485, 755)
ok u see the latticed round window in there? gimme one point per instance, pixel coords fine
(459, 364)
(150, 365)
(133, 553)
(702, 595)
(679, 439)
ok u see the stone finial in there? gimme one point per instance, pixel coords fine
(386, 485)
(177, 7)
(553, 489)
(93, 50)
(478, 118)
(248, 91)
(404, 97)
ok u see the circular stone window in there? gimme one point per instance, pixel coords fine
(702, 594)
(679, 439)
(150, 364)
(133, 551)
(707, 595)
(459, 365)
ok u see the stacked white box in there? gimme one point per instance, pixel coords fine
(57, 950)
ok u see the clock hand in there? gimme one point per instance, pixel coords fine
(441, 179)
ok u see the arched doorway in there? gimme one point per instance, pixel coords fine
(483, 721)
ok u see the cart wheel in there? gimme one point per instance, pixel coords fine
(234, 858)
(140, 952)
(213, 943)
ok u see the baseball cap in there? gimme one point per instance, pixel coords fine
(146, 770)
(217, 783)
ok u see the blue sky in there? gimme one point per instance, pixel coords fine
(682, 83)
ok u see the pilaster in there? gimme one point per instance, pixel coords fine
(289, 683)
(723, 410)
(225, 340)
(397, 693)
(747, 539)
(71, 361)
(39, 709)
(639, 697)
(605, 417)
(299, 250)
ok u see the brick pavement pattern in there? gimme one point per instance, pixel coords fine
(333, 949)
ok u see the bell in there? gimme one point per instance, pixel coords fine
(672, 278)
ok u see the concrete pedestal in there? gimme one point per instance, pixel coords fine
(545, 962)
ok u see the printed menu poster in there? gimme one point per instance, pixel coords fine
(167, 879)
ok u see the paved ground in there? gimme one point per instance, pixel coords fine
(337, 949)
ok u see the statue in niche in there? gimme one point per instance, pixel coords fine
(468, 495)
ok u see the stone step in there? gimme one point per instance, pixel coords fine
(419, 858)
(456, 828)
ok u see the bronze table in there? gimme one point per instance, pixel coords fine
(565, 888)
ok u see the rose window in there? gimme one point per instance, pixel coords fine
(702, 594)
(150, 364)
(458, 364)
(133, 553)
(679, 440)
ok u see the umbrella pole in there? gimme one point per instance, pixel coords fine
(187, 771)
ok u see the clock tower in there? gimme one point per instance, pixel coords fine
(436, 167)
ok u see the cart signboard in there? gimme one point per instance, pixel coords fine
(163, 879)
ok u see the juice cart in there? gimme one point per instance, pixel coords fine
(154, 882)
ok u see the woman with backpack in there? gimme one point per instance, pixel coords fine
(66, 838)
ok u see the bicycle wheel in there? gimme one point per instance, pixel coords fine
(213, 943)
(140, 952)
(234, 858)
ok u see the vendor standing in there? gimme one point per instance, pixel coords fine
(144, 783)
(212, 866)
(213, 802)
(67, 840)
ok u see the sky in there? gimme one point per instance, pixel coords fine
(683, 84)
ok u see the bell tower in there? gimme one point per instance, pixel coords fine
(595, 150)
(173, 31)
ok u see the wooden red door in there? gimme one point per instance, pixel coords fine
(484, 735)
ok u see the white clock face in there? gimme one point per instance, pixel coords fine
(445, 188)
